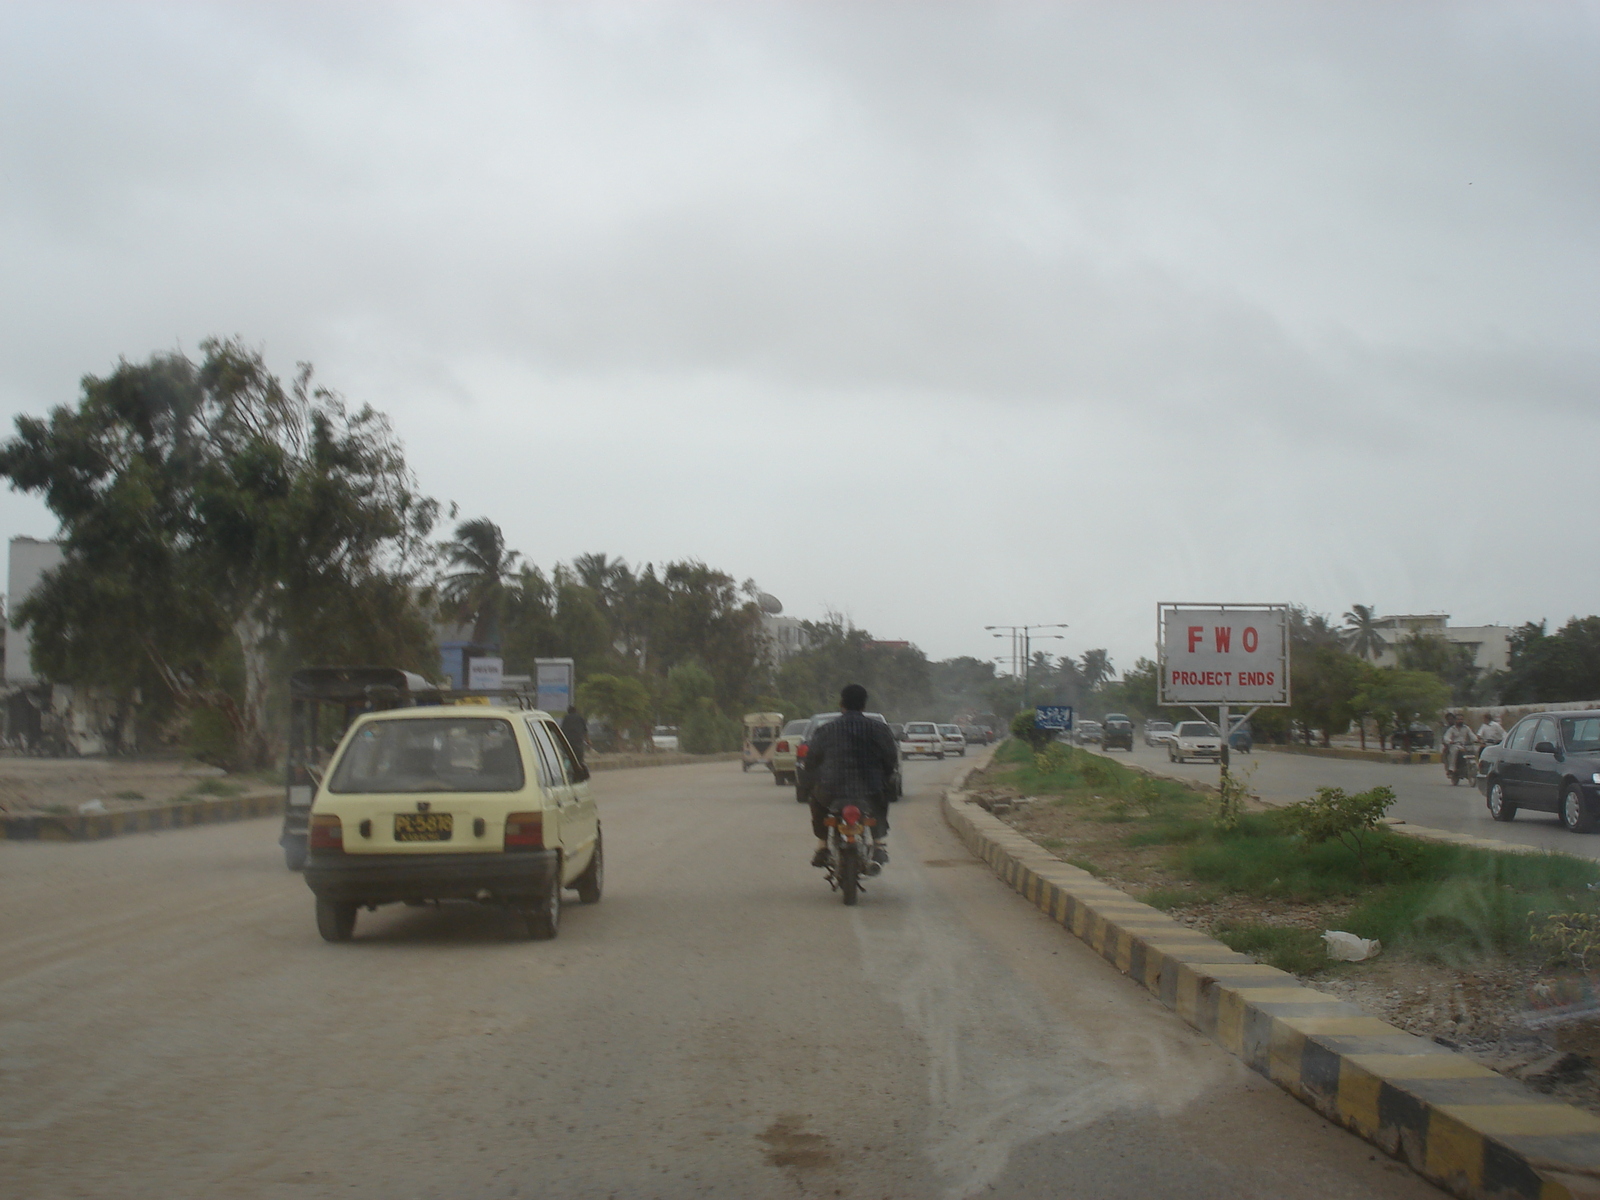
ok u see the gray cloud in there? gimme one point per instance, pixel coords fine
(1075, 283)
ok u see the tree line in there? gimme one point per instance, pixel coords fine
(221, 527)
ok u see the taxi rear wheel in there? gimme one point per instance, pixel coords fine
(593, 879)
(542, 919)
(335, 921)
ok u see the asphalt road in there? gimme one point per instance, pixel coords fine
(720, 1025)
(1424, 796)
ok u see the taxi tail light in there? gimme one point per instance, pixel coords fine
(525, 831)
(782, 747)
(326, 832)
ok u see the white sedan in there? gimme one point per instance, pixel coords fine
(1194, 739)
(921, 737)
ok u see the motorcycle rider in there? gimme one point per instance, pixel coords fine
(1457, 738)
(1491, 732)
(852, 760)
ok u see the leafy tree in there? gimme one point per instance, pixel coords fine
(1552, 667)
(687, 683)
(619, 700)
(210, 515)
(1323, 682)
(706, 730)
(897, 678)
(1393, 698)
(1450, 662)
(1361, 633)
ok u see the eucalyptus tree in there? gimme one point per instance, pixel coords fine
(215, 522)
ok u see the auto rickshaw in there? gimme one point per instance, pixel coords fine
(760, 734)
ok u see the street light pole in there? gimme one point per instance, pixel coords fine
(1022, 640)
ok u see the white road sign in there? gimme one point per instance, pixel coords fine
(483, 674)
(1224, 654)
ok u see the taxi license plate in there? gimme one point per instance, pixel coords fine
(422, 827)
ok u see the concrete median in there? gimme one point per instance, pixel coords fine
(1457, 1123)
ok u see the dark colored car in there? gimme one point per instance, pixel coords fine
(1549, 762)
(1416, 736)
(1116, 730)
(802, 782)
(1242, 739)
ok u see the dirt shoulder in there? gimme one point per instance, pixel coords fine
(1479, 1005)
(63, 786)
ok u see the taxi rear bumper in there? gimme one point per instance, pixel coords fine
(387, 878)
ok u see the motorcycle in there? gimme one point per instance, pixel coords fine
(1465, 765)
(849, 851)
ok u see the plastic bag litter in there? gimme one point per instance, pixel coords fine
(1347, 947)
(92, 806)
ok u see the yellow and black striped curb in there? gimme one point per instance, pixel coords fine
(88, 827)
(1455, 1122)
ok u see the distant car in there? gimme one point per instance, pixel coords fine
(1242, 739)
(1549, 762)
(1195, 739)
(1117, 731)
(802, 785)
(954, 740)
(1087, 733)
(1157, 733)
(664, 737)
(974, 735)
(789, 738)
(921, 738)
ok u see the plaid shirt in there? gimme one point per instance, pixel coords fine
(852, 758)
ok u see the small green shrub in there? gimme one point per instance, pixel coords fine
(1568, 937)
(1289, 948)
(1332, 815)
(129, 795)
(217, 787)
(1024, 730)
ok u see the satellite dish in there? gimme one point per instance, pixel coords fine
(769, 603)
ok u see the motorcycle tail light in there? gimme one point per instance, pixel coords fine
(851, 814)
(525, 831)
(325, 833)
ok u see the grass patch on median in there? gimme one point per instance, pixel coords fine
(1263, 888)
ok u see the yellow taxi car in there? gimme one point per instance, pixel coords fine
(783, 751)
(488, 805)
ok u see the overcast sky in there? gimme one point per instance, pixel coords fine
(936, 315)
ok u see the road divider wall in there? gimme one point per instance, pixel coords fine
(1455, 1122)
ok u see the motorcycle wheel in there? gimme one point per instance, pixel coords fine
(849, 868)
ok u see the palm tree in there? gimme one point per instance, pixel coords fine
(483, 578)
(1096, 668)
(1361, 632)
(608, 578)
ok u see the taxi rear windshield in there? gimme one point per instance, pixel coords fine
(1581, 735)
(447, 754)
(918, 728)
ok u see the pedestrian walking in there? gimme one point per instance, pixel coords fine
(576, 730)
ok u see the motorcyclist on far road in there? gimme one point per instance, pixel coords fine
(1491, 732)
(1457, 737)
(852, 760)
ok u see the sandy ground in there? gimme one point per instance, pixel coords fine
(719, 1025)
(61, 785)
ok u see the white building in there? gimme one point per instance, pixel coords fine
(785, 637)
(1490, 644)
(29, 560)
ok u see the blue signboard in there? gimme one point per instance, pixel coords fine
(1053, 716)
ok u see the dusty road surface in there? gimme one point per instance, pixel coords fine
(720, 1025)
(1424, 796)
